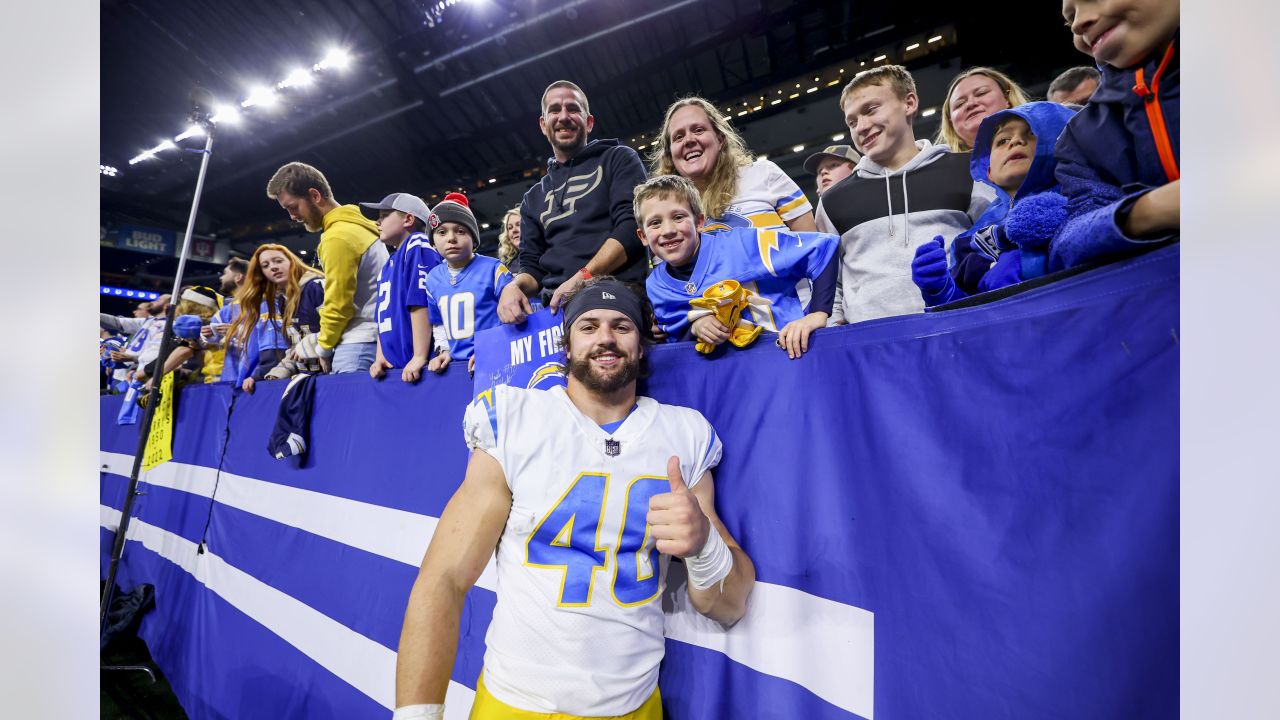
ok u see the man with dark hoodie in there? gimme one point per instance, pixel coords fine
(1118, 157)
(577, 222)
(1012, 153)
(903, 193)
(351, 257)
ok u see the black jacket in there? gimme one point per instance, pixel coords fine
(565, 218)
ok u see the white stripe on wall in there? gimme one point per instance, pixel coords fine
(366, 665)
(822, 645)
(394, 534)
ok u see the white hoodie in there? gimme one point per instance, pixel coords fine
(882, 216)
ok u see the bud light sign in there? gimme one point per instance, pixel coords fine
(144, 239)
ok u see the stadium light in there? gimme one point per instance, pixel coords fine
(837, 137)
(225, 114)
(193, 131)
(912, 46)
(107, 170)
(928, 112)
(261, 97)
(298, 78)
(797, 148)
(935, 38)
(126, 292)
(337, 59)
(878, 58)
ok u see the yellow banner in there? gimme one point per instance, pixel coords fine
(160, 441)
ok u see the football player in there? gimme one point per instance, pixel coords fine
(585, 492)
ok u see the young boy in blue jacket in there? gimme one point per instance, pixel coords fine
(1118, 158)
(1013, 153)
(766, 262)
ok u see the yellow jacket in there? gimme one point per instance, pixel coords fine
(351, 257)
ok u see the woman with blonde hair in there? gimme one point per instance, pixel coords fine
(509, 239)
(279, 305)
(737, 190)
(972, 96)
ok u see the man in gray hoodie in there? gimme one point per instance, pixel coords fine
(903, 193)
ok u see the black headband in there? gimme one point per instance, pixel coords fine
(606, 295)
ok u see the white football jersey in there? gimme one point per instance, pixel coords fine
(578, 626)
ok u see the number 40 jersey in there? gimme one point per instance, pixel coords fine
(467, 302)
(578, 626)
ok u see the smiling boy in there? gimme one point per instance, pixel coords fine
(768, 262)
(903, 192)
(1118, 159)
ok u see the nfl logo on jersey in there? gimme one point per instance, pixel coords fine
(612, 447)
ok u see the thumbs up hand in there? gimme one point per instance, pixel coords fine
(676, 519)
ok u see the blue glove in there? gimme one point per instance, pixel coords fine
(929, 273)
(187, 327)
(1007, 271)
(1034, 220)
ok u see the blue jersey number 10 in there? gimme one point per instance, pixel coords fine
(568, 539)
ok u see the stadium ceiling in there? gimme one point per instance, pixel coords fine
(433, 103)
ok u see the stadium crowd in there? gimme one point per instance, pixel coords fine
(724, 245)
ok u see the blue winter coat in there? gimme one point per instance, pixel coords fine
(1110, 155)
(977, 249)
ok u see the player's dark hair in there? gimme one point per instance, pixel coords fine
(647, 339)
(239, 265)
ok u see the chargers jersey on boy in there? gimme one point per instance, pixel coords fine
(402, 284)
(468, 302)
(578, 626)
(767, 262)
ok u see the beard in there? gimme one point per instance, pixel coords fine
(572, 146)
(228, 288)
(605, 382)
(312, 218)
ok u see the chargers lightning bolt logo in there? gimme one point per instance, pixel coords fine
(768, 241)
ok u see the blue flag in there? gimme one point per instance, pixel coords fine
(528, 355)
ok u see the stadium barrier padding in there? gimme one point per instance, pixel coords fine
(961, 514)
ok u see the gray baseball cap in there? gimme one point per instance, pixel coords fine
(839, 152)
(404, 202)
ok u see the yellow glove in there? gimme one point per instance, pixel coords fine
(726, 300)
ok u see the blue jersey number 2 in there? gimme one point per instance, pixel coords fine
(568, 539)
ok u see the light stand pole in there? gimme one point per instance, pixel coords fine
(201, 117)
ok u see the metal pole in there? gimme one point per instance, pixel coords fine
(117, 549)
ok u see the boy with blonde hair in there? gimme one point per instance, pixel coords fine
(767, 262)
(903, 193)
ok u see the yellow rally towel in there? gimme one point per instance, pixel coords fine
(726, 300)
(160, 442)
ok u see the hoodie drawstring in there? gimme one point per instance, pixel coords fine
(888, 199)
(906, 208)
(906, 211)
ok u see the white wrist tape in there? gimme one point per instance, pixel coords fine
(419, 712)
(712, 564)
